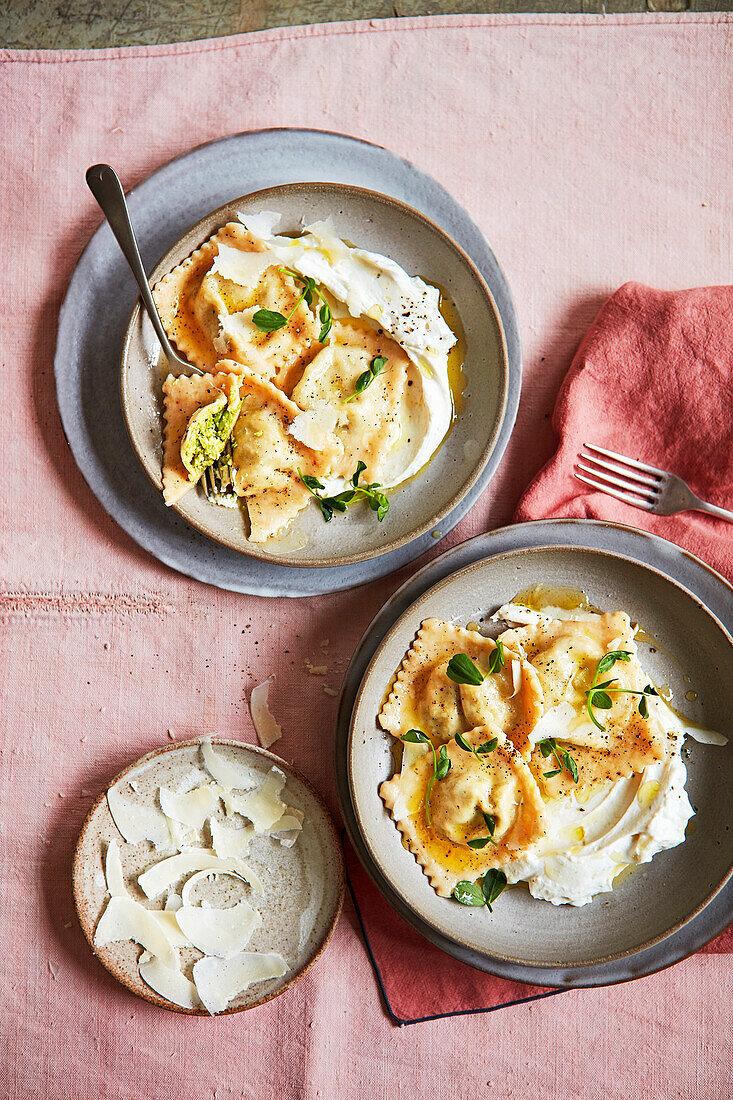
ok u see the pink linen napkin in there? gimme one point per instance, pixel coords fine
(652, 379)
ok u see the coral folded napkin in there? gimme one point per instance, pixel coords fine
(653, 380)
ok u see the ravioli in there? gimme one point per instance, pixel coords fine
(266, 458)
(565, 655)
(370, 423)
(208, 314)
(423, 696)
(183, 397)
(499, 784)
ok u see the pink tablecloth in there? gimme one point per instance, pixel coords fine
(590, 151)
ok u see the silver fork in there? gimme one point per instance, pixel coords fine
(639, 484)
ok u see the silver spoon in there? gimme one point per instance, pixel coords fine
(104, 184)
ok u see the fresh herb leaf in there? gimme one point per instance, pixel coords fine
(461, 740)
(372, 493)
(415, 737)
(549, 747)
(443, 763)
(598, 695)
(493, 884)
(365, 380)
(269, 320)
(490, 822)
(496, 660)
(469, 893)
(325, 318)
(487, 746)
(480, 842)
(462, 670)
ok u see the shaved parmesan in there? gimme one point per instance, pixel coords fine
(260, 225)
(191, 808)
(125, 919)
(516, 677)
(268, 730)
(705, 737)
(219, 981)
(287, 829)
(135, 821)
(113, 871)
(220, 932)
(314, 426)
(244, 268)
(227, 775)
(181, 836)
(162, 875)
(262, 807)
(168, 983)
(167, 921)
(238, 325)
(173, 902)
(228, 841)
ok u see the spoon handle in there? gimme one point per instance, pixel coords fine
(104, 184)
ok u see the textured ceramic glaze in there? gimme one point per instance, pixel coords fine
(288, 873)
(659, 911)
(378, 224)
(101, 297)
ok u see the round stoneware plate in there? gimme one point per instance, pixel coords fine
(383, 225)
(689, 649)
(315, 859)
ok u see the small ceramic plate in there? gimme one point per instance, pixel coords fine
(689, 649)
(391, 228)
(315, 859)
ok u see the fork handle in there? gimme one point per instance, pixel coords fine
(104, 184)
(712, 510)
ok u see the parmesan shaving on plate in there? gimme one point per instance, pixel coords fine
(287, 829)
(228, 841)
(113, 871)
(125, 919)
(268, 730)
(137, 822)
(227, 775)
(170, 984)
(162, 875)
(219, 981)
(220, 932)
(191, 808)
(263, 807)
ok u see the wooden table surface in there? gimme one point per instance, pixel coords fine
(95, 24)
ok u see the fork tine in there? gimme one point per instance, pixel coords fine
(636, 502)
(626, 471)
(643, 466)
(628, 484)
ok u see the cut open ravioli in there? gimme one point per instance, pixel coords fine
(371, 423)
(423, 696)
(184, 397)
(565, 655)
(207, 302)
(499, 784)
(266, 458)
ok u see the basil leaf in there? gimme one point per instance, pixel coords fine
(601, 700)
(443, 763)
(462, 670)
(480, 842)
(488, 746)
(468, 893)
(363, 381)
(493, 884)
(269, 320)
(496, 660)
(549, 775)
(415, 737)
(461, 740)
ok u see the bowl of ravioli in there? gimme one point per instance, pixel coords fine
(536, 770)
(355, 375)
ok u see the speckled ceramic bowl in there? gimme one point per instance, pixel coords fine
(316, 857)
(687, 648)
(392, 228)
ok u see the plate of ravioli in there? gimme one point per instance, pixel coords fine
(355, 375)
(536, 757)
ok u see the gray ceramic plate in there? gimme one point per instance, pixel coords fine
(101, 297)
(380, 224)
(315, 859)
(655, 911)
